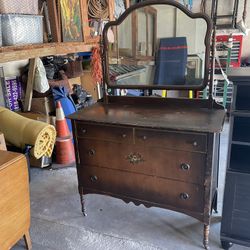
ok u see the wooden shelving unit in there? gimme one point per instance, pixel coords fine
(15, 53)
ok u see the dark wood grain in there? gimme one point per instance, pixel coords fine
(148, 188)
(154, 116)
(156, 161)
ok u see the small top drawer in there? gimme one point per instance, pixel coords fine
(104, 132)
(193, 142)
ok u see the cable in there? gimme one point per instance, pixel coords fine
(98, 9)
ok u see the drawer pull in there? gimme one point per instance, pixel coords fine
(124, 136)
(93, 178)
(195, 144)
(134, 158)
(184, 196)
(185, 166)
(84, 131)
(91, 152)
(144, 137)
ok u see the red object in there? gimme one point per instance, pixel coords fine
(236, 51)
(65, 151)
(64, 145)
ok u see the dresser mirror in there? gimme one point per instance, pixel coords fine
(157, 45)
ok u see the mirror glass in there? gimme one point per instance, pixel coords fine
(157, 45)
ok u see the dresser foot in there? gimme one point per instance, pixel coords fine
(205, 237)
(83, 205)
(27, 241)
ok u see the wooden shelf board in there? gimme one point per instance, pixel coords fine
(15, 53)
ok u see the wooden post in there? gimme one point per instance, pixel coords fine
(84, 19)
(111, 4)
(54, 21)
(127, 4)
(30, 82)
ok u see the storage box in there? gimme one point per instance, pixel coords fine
(43, 162)
(20, 7)
(21, 29)
(2, 142)
(44, 105)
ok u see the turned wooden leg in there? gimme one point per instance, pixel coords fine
(27, 240)
(205, 237)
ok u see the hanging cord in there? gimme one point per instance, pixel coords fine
(203, 6)
(98, 9)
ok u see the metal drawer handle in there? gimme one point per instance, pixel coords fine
(185, 166)
(91, 152)
(144, 137)
(93, 178)
(84, 131)
(184, 196)
(195, 144)
(134, 158)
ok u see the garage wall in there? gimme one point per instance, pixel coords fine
(225, 7)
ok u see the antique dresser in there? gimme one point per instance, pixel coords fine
(150, 150)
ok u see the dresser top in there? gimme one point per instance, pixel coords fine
(154, 116)
(239, 74)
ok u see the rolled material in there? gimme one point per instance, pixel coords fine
(21, 131)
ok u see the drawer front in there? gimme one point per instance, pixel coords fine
(172, 140)
(142, 187)
(103, 132)
(179, 165)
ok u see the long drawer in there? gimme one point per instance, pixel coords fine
(104, 132)
(179, 165)
(186, 141)
(143, 187)
(194, 142)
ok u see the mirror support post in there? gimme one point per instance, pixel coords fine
(211, 80)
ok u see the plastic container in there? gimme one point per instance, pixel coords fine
(21, 29)
(19, 6)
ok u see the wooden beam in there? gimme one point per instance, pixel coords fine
(15, 53)
(30, 82)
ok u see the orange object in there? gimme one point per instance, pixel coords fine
(65, 151)
(64, 145)
(62, 128)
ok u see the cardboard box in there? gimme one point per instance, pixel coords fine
(43, 162)
(44, 105)
(39, 117)
(89, 84)
(2, 142)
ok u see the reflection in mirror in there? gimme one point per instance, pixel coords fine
(157, 45)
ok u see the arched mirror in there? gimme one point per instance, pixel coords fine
(157, 45)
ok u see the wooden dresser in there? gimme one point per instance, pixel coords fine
(14, 200)
(156, 152)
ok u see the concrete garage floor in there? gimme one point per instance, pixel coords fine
(57, 222)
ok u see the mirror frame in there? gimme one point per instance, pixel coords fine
(207, 41)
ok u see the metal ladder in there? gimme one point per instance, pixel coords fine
(233, 17)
